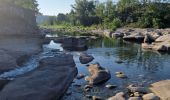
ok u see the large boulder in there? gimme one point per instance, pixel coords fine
(74, 43)
(49, 81)
(161, 44)
(15, 50)
(137, 37)
(98, 74)
(161, 89)
(85, 58)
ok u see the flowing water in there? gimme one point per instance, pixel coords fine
(142, 67)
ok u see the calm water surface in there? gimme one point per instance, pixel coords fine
(141, 67)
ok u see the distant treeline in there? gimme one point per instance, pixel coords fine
(133, 13)
(29, 4)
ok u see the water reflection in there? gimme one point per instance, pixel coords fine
(131, 53)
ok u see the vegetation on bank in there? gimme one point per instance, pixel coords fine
(111, 15)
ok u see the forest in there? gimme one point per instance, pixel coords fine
(111, 15)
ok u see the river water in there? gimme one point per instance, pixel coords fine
(142, 67)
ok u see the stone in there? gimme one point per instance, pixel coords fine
(151, 96)
(96, 98)
(98, 74)
(89, 96)
(118, 96)
(109, 86)
(3, 83)
(50, 80)
(117, 34)
(88, 86)
(135, 98)
(121, 75)
(74, 43)
(119, 61)
(137, 94)
(134, 89)
(85, 58)
(161, 89)
(68, 93)
(80, 76)
(137, 37)
(161, 44)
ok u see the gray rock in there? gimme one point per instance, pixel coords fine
(134, 89)
(109, 86)
(135, 98)
(85, 58)
(118, 96)
(50, 80)
(80, 76)
(151, 96)
(98, 74)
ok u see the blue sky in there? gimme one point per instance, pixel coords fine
(53, 7)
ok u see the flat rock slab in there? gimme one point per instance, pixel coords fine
(48, 82)
(162, 89)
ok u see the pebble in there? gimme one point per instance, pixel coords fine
(80, 76)
(109, 86)
(96, 98)
(120, 75)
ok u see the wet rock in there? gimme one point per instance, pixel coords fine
(117, 34)
(98, 74)
(80, 76)
(119, 61)
(118, 96)
(74, 43)
(89, 96)
(121, 75)
(85, 58)
(88, 86)
(137, 94)
(161, 89)
(151, 96)
(68, 93)
(134, 89)
(135, 98)
(3, 83)
(109, 86)
(107, 33)
(77, 85)
(96, 98)
(50, 80)
(137, 37)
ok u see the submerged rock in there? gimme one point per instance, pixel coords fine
(110, 86)
(50, 80)
(118, 96)
(80, 76)
(98, 74)
(121, 75)
(85, 58)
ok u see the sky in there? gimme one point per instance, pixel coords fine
(53, 7)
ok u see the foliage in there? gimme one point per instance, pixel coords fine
(110, 15)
